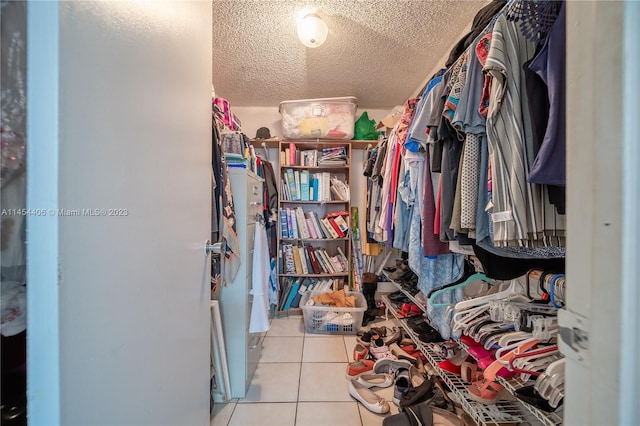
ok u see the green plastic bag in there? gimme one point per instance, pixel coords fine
(365, 128)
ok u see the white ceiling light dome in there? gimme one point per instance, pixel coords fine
(312, 30)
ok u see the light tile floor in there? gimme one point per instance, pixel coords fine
(300, 380)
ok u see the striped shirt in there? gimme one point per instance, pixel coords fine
(518, 206)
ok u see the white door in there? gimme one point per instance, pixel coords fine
(119, 128)
(599, 327)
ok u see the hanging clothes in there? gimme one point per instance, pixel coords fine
(517, 206)
(549, 164)
(259, 321)
(229, 232)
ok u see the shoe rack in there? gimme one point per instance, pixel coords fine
(509, 411)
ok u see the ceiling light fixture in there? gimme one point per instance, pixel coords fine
(312, 30)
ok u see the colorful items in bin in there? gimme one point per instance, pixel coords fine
(323, 118)
(337, 298)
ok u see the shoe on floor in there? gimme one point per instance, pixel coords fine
(379, 350)
(401, 386)
(391, 366)
(399, 353)
(360, 352)
(395, 337)
(370, 380)
(420, 389)
(354, 369)
(368, 398)
(419, 414)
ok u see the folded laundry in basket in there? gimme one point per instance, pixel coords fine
(337, 298)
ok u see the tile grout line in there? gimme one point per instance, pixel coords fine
(344, 338)
(235, 405)
(295, 417)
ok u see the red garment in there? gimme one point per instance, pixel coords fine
(401, 131)
(436, 219)
(482, 50)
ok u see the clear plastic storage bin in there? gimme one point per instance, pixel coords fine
(326, 118)
(332, 320)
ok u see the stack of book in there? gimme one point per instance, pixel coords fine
(298, 224)
(333, 157)
(294, 156)
(302, 185)
(309, 260)
(294, 288)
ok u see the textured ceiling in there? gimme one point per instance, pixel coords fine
(379, 51)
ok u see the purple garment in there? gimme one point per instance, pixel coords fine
(431, 244)
(549, 166)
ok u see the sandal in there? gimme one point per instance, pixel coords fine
(486, 392)
(470, 373)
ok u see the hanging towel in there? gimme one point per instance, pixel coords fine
(260, 287)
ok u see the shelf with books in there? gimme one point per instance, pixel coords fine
(293, 288)
(340, 274)
(307, 184)
(314, 202)
(314, 239)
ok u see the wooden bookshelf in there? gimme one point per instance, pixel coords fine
(309, 203)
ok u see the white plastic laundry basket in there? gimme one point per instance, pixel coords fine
(321, 319)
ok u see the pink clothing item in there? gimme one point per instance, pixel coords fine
(436, 219)
(431, 244)
(403, 127)
(482, 50)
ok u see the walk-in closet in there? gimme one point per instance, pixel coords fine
(369, 213)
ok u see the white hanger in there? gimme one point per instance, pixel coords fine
(462, 318)
(516, 336)
(514, 288)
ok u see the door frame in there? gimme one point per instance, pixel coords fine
(43, 337)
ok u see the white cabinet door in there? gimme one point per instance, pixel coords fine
(119, 110)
